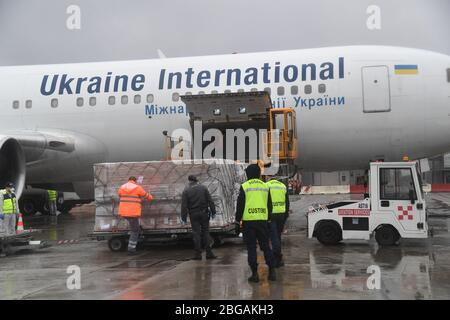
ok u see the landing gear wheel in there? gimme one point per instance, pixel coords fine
(28, 207)
(117, 244)
(386, 236)
(329, 233)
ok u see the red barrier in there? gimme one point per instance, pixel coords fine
(440, 187)
(358, 188)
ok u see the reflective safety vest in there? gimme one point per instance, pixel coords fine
(256, 197)
(131, 195)
(52, 195)
(9, 203)
(278, 192)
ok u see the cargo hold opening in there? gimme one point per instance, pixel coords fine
(244, 110)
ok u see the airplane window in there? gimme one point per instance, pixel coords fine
(308, 89)
(137, 98)
(175, 96)
(54, 103)
(254, 89)
(280, 91)
(149, 98)
(111, 100)
(15, 104)
(28, 104)
(201, 92)
(267, 90)
(124, 99)
(294, 90)
(214, 92)
(92, 101)
(80, 102)
(188, 94)
(240, 90)
(322, 88)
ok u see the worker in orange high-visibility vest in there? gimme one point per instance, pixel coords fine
(130, 206)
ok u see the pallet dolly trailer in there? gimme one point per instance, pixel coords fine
(20, 241)
(395, 208)
(118, 241)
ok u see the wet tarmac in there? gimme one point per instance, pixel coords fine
(415, 269)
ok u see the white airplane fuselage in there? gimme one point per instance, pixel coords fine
(353, 104)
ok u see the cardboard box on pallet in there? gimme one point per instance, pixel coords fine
(165, 180)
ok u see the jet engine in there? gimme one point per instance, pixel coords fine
(12, 164)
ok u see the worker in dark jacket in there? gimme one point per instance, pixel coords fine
(280, 213)
(254, 208)
(197, 203)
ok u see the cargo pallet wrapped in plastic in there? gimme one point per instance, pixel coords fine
(165, 180)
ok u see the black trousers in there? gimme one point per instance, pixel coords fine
(258, 231)
(276, 229)
(200, 231)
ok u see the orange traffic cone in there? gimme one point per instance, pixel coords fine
(20, 224)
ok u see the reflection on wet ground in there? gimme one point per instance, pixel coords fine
(416, 269)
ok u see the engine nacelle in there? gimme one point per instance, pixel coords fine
(12, 164)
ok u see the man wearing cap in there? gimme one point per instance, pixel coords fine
(130, 206)
(254, 208)
(9, 208)
(196, 202)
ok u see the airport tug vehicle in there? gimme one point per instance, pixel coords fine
(393, 209)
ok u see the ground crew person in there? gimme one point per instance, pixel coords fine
(52, 195)
(280, 213)
(9, 209)
(130, 206)
(196, 202)
(254, 207)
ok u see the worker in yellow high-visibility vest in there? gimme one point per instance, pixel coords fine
(52, 196)
(9, 209)
(254, 209)
(280, 213)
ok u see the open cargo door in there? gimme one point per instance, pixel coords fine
(238, 116)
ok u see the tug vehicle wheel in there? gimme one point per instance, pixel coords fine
(28, 207)
(386, 235)
(117, 244)
(329, 233)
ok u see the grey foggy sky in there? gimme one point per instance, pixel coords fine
(34, 31)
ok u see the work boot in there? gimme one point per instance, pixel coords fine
(132, 252)
(254, 277)
(210, 255)
(279, 261)
(272, 275)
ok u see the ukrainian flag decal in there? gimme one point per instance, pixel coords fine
(406, 69)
